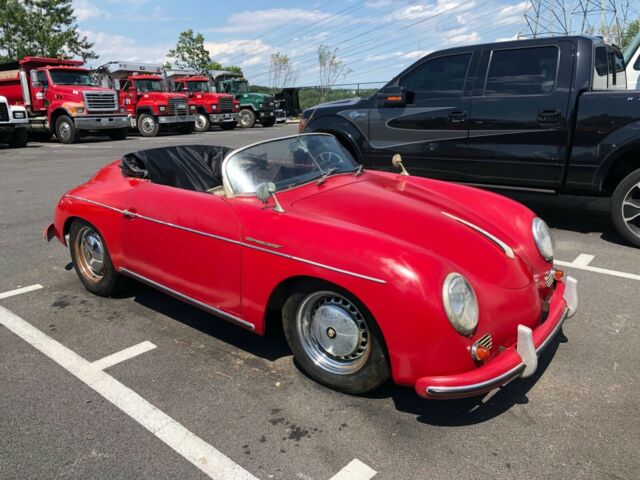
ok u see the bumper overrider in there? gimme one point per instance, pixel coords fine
(519, 360)
(224, 117)
(99, 122)
(168, 119)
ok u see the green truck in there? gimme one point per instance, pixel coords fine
(254, 107)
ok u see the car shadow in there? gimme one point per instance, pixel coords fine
(272, 346)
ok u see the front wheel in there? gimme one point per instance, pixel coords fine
(335, 339)
(247, 118)
(19, 138)
(66, 130)
(92, 261)
(228, 125)
(625, 208)
(202, 123)
(147, 125)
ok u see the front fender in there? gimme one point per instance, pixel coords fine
(351, 135)
(612, 147)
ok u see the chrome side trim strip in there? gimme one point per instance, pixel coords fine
(501, 379)
(262, 242)
(132, 215)
(507, 249)
(193, 301)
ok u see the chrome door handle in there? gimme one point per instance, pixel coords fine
(128, 214)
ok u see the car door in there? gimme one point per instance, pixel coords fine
(518, 132)
(39, 87)
(185, 241)
(430, 131)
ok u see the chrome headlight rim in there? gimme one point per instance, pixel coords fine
(543, 238)
(465, 321)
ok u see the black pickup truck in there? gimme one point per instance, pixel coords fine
(550, 114)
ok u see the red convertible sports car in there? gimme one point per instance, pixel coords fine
(373, 275)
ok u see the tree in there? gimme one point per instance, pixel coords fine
(629, 33)
(44, 28)
(191, 53)
(281, 71)
(330, 68)
(234, 69)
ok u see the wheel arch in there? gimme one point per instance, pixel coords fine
(56, 114)
(350, 137)
(617, 165)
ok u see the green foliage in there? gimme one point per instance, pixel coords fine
(191, 53)
(629, 33)
(44, 28)
(234, 69)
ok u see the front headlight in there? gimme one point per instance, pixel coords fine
(19, 115)
(543, 238)
(214, 107)
(162, 108)
(460, 303)
(192, 107)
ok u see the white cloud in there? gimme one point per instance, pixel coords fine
(111, 47)
(511, 14)
(260, 20)
(507, 39)
(85, 9)
(251, 52)
(461, 35)
(411, 55)
(416, 12)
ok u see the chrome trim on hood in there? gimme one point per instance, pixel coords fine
(507, 249)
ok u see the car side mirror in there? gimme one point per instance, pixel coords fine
(392, 97)
(265, 191)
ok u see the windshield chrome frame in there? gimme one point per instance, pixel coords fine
(225, 179)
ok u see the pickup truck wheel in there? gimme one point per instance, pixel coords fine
(19, 138)
(147, 125)
(66, 130)
(228, 125)
(625, 208)
(202, 123)
(335, 339)
(92, 261)
(269, 122)
(119, 134)
(247, 118)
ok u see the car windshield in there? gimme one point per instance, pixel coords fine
(198, 86)
(70, 77)
(287, 162)
(149, 86)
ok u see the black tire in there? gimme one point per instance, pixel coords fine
(228, 125)
(19, 138)
(366, 372)
(40, 136)
(147, 125)
(119, 134)
(203, 123)
(108, 282)
(66, 130)
(247, 118)
(625, 205)
(268, 122)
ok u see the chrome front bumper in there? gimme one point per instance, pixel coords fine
(101, 123)
(169, 119)
(224, 117)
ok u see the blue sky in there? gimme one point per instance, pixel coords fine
(375, 38)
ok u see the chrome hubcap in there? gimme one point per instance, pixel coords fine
(148, 124)
(244, 119)
(631, 209)
(201, 121)
(90, 254)
(65, 130)
(333, 332)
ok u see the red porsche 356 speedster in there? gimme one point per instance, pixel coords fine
(373, 275)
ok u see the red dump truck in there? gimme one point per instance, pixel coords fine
(61, 97)
(142, 92)
(218, 109)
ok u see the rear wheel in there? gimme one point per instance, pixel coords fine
(625, 208)
(202, 123)
(335, 339)
(247, 118)
(147, 125)
(269, 122)
(66, 130)
(119, 134)
(19, 138)
(92, 261)
(228, 125)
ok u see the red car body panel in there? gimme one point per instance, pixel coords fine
(381, 236)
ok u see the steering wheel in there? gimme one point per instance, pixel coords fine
(324, 159)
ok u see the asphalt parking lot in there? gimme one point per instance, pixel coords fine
(240, 398)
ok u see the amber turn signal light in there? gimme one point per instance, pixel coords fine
(394, 99)
(559, 274)
(480, 353)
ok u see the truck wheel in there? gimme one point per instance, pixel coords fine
(202, 123)
(335, 339)
(66, 130)
(119, 134)
(247, 118)
(19, 138)
(625, 208)
(147, 125)
(269, 122)
(186, 128)
(40, 136)
(228, 125)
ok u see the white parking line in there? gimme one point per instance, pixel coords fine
(202, 455)
(582, 262)
(122, 355)
(355, 470)
(18, 291)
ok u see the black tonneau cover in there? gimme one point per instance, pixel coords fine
(192, 167)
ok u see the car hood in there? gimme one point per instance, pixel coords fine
(420, 221)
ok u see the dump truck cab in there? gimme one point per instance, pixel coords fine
(254, 107)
